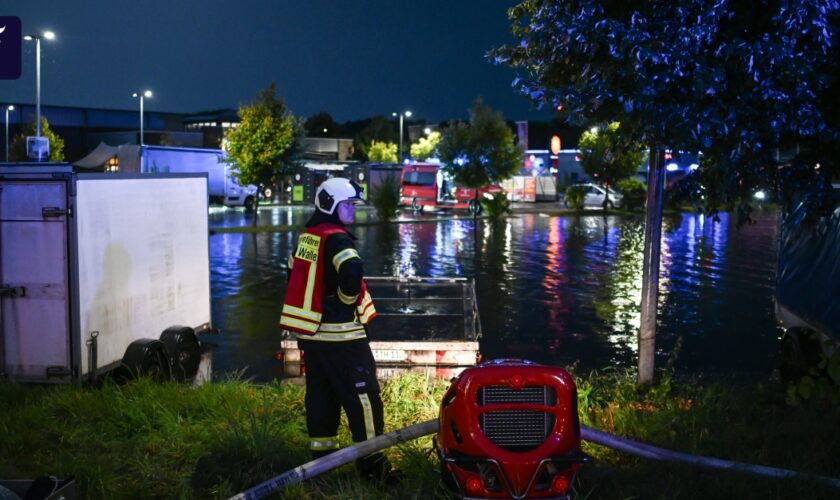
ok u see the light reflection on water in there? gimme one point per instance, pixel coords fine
(556, 290)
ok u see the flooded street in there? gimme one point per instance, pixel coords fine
(557, 290)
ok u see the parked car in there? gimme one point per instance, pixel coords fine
(595, 195)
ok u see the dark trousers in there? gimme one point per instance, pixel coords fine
(341, 375)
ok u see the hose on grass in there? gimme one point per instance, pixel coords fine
(359, 450)
(338, 458)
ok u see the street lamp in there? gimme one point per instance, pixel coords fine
(407, 114)
(49, 35)
(147, 93)
(8, 108)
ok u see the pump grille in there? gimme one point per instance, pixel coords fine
(517, 430)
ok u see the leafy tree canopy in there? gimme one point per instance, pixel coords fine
(263, 147)
(380, 129)
(482, 152)
(736, 81)
(321, 124)
(382, 152)
(425, 147)
(18, 148)
(606, 156)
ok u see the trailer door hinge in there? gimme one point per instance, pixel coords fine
(12, 291)
(53, 212)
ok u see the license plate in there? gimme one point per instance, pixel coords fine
(388, 355)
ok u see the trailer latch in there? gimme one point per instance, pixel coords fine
(12, 291)
(53, 212)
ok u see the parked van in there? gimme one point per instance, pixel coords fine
(419, 185)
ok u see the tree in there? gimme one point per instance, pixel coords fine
(382, 152)
(737, 81)
(607, 156)
(264, 147)
(380, 129)
(18, 149)
(482, 152)
(321, 124)
(425, 147)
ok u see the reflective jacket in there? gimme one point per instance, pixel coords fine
(310, 309)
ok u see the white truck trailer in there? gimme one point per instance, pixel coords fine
(99, 271)
(221, 183)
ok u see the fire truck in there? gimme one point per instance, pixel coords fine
(425, 185)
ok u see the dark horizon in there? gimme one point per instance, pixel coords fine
(353, 62)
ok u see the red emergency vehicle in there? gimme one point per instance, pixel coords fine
(423, 185)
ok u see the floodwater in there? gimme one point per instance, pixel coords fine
(557, 290)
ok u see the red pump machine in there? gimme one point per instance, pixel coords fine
(509, 428)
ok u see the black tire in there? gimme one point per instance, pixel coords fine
(800, 353)
(147, 357)
(474, 207)
(249, 204)
(183, 350)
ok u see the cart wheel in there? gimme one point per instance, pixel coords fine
(800, 352)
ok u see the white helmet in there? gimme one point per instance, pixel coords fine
(333, 191)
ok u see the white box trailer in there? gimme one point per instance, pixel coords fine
(97, 269)
(222, 186)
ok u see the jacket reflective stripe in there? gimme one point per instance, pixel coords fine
(298, 324)
(334, 337)
(365, 310)
(346, 254)
(347, 299)
(340, 327)
(301, 313)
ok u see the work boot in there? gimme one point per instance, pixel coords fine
(376, 469)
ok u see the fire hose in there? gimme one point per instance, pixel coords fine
(359, 450)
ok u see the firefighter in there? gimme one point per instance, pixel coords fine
(327, 306)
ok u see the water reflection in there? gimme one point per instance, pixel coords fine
(556, 290)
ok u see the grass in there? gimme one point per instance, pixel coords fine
(151, 440)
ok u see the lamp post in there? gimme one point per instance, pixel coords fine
(406, 114)
(142, 95)
(49, 35)
(8, 108)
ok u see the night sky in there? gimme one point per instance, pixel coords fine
(351, 59)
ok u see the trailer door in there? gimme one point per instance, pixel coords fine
(34, 305)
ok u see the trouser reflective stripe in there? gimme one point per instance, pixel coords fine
(323, 443)
(370, 430)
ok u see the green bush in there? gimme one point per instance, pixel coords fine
(574, 197)
(386, 198)
(496, 206)
(634, 193)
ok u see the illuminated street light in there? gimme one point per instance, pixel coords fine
(406, 114)
(49, 35)
(8, 108)
(145, 94)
